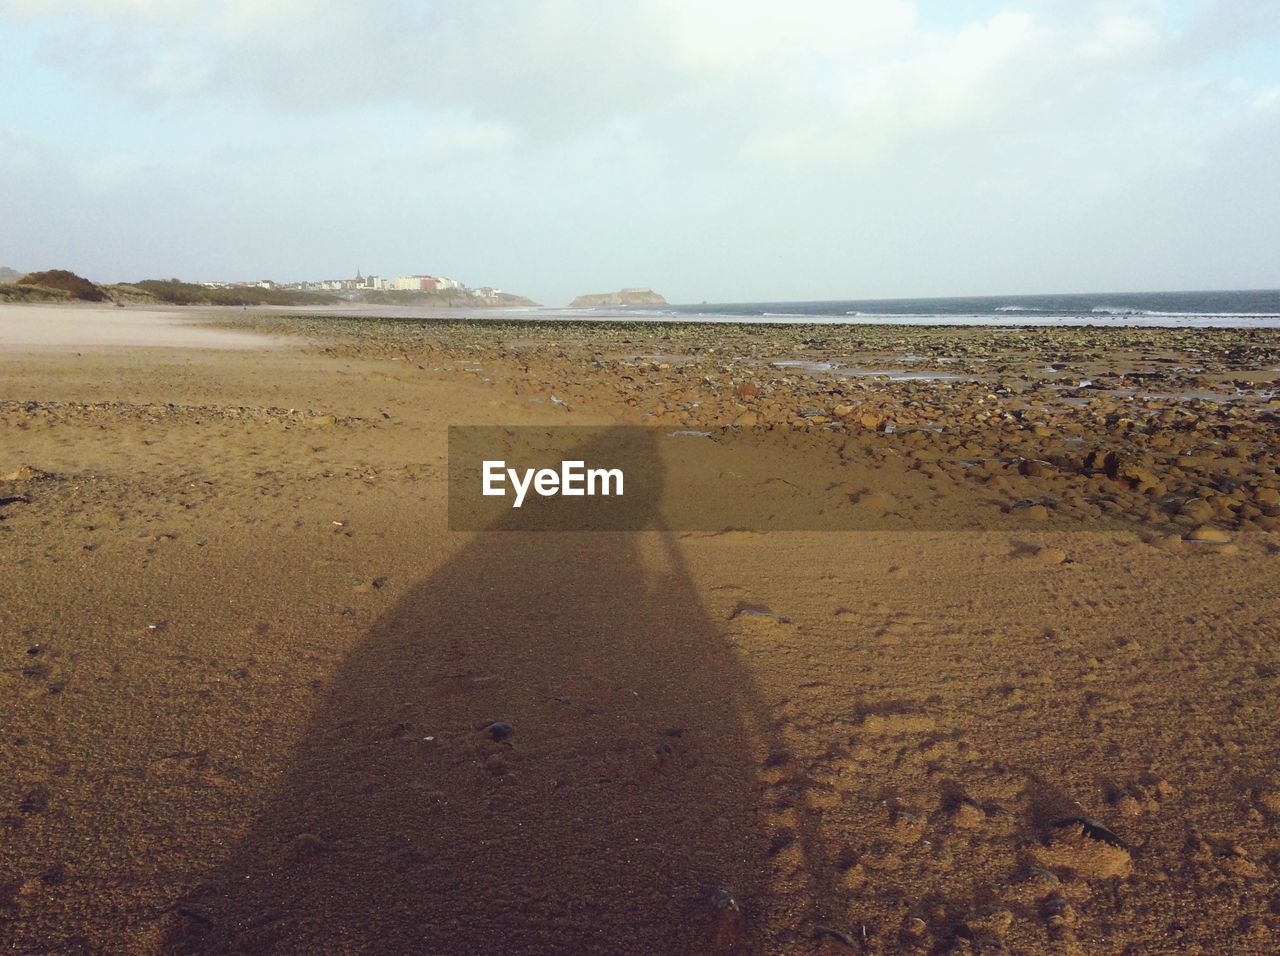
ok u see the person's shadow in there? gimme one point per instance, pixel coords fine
(545, 746)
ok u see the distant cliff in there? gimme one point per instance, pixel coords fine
(621, 297)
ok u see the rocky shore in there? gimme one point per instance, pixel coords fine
(1172, 429)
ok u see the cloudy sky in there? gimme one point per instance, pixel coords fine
(720, 150)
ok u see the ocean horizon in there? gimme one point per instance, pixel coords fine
(1258, 308)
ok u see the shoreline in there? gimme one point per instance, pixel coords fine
(666, 316)
(685, 315)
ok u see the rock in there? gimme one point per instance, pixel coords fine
(1034, 468)
(499, 730)
(729, 933)
(1127, 804)
(756, 613)
(1209, 535)
(722, 899)
(1197, 509)
(1030, 511)
(1096, 460)
(1141, 479)
(1121, 467)
(26, 473)
(821, 932)
(747, 420)
(1048, 555)
(633, 296)
(966, 814)
(1086, 849)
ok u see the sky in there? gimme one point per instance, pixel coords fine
(715, 150)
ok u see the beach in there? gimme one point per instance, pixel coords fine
(258, 696)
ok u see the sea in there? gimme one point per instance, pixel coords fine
(1223, 310)
(1233, 309)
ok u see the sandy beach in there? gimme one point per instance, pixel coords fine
(63, 328)
(256, 696)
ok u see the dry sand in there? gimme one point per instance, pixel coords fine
(248, 677)
(60, 328)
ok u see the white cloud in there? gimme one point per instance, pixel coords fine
(1122, 35)
(764, 77)
(731, 117)
(461, 138)
(1267, 100)
(731, 34)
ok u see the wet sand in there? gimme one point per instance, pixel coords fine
(249, 679)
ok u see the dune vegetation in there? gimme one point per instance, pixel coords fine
(177, 292)
(62, 285)
(53, 284)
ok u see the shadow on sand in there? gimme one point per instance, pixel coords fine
(625, 796)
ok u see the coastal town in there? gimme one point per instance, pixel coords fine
(369, 283)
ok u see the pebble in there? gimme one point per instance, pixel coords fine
(967, 814)
(830, 932)
(1049, 555)
(722, 899)
(499, 730)
(1086, 849)
(1169, 542)
(1210, 535)
(753, 612)
(1030, 512)
(1034, 468)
